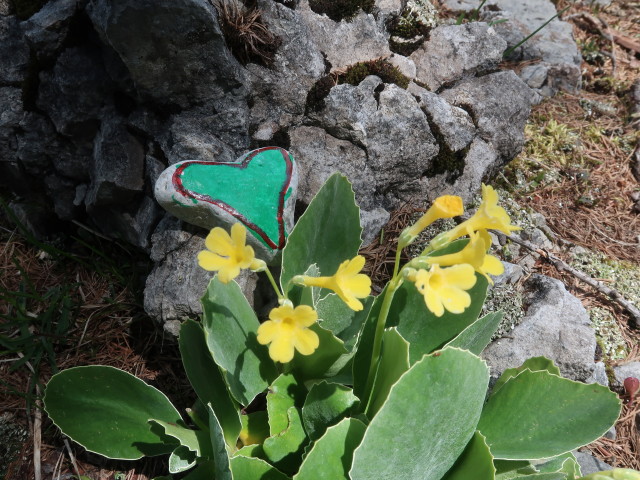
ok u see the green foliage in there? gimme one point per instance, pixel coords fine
(108, 411)
(392, 391)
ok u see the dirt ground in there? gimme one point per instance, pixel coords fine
(576, 170)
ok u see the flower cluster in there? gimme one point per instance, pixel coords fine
(288, 328)
(442, 279)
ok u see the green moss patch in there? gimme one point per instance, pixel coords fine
(338, 10)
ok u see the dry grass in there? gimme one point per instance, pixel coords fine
(108, 328)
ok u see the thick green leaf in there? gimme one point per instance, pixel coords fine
(508, 469)
(195, 440)
(477, 335)
(107, 411)
(247, 468)
(565, 463)
(327, 234)
(539, 415)
(476, 462)
(251, 451)
(255, 427)
(219, 447)
(326, 405)
(328, 359)
(331, 456)
(394, 361)
(422, 329)
(181, 459)
(283, 394)
(345, 323)
(535, 364)
(285, 449)
(427, 421)
(206, 379)
(230, 327)
(203, 471)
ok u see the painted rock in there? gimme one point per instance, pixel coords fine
(258, 190)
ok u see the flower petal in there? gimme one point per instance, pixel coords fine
(305, 316)
(306, 341)
(454, 299)
(433, 301)
(211, 261)
(462, 276)
(228, 273)
(238, 234)
(492, 265)
(281, 349)
(352, 266)
(267, 331)
(219, 241)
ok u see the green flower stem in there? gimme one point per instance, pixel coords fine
(197, 421)
(274, 284)
(393, 285)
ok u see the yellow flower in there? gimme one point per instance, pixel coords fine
(475, 254)
(444, 288)
(446, 206)
(489, 216)
(347, 282)
(228, 254)
(288, 329)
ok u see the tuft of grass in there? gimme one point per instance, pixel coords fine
(247, 36)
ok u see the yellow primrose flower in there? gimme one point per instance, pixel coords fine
(444, 288)
(489, 216)
(288, 329)
(227, 254)
(475, 254)
(347, 282)
(446, 206)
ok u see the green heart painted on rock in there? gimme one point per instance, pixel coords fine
(254, 190)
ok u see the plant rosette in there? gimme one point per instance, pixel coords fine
(351, 386)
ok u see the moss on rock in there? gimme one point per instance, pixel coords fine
(379, 67)
(338, 10)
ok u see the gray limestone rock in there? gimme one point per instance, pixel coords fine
(74, 92)
(176, 284)
(555, 325)
(590, 464)
(117, 173)
(499, 104)
(554, 46)
(47, 30)
(621, 372)
(279, 93)
(133, 224)
(319, 156)
(62, 192)
(452, 123)
(174, 51)
(470, 49)
(14, 52)
(194, 134)
(362, 35)
(389, 124)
